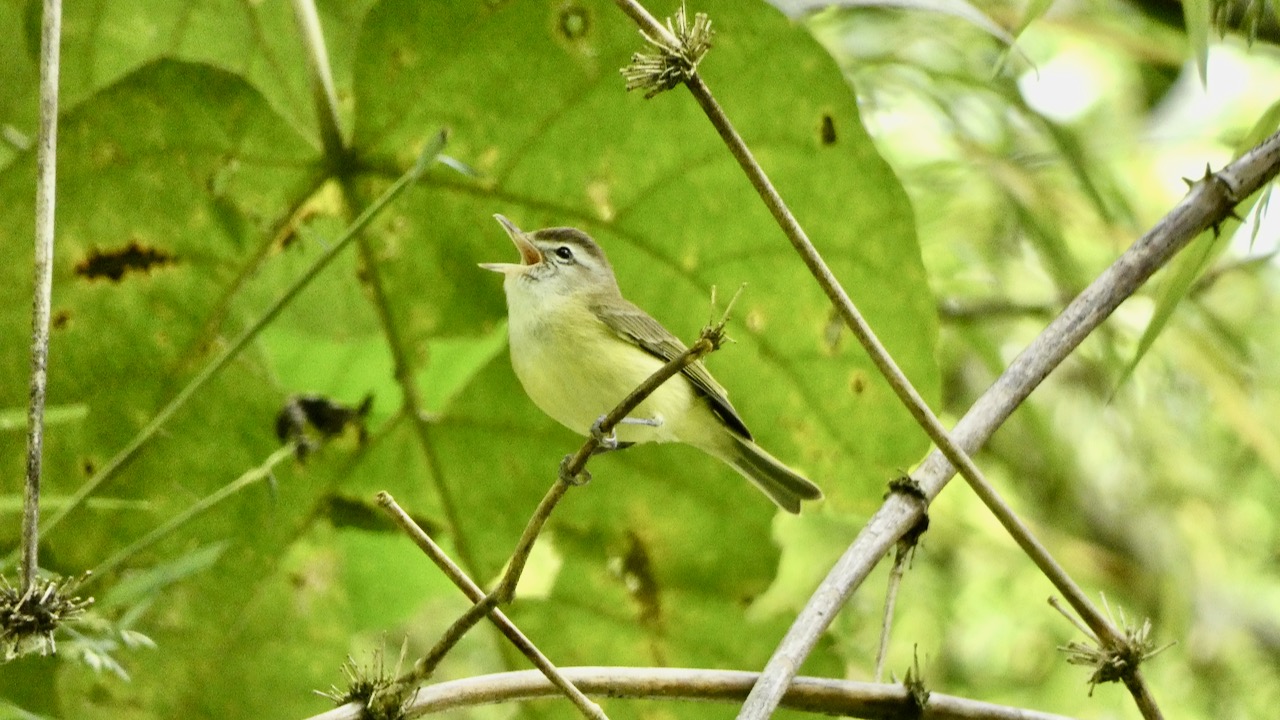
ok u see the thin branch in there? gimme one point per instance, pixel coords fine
(783, 665)
(254, 475)
(572, 472)
(42, 294)
(274, 237)
(816, 695)
(144, 436)
(473, 592)
(900, 560)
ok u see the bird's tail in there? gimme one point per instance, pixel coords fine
(783, 485)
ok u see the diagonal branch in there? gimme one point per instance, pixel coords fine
(473, 592)
(1207, 203)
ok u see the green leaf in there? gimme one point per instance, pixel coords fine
(1192, 263)
(104, 42)
(188, 197)
(1035, 10)
(144, 586)
(15, 419)
(558, 142)
(1198, 15)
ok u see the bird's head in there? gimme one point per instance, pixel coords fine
(558, 260)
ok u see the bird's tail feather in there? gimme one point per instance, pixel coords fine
(783, 485)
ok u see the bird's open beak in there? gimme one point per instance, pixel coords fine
(529, 254)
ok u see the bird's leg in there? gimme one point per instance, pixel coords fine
(610, 442)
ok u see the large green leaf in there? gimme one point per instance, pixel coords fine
(559, 143)
(178, 172)
(660, 557)
(103, 42)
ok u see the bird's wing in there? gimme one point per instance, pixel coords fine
(635, 325)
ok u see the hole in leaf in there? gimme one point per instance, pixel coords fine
(114, 264)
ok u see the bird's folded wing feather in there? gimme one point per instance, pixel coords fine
(634, 324)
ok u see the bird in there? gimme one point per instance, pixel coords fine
(579, 347)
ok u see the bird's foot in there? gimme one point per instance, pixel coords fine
(607, 442)
(610, 441)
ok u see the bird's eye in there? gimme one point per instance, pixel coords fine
(564, 253)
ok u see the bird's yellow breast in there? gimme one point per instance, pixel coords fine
(576, 369)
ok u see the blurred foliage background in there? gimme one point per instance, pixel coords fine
(988, 186)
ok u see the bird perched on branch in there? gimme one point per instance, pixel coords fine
(578, 348)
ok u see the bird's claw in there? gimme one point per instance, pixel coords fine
(607, 442)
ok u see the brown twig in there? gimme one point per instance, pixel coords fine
(473, 592)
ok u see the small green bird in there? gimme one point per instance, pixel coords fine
(578, 348)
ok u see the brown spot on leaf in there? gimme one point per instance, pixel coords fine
(857, 383)
(114, 264)
(88, 467)
(827, 131)
(61, 320)
(290, 231)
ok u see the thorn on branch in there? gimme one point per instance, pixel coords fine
(29, 620)
(1208, 175)
(677, 55)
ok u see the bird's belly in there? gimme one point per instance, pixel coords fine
(575, 388)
